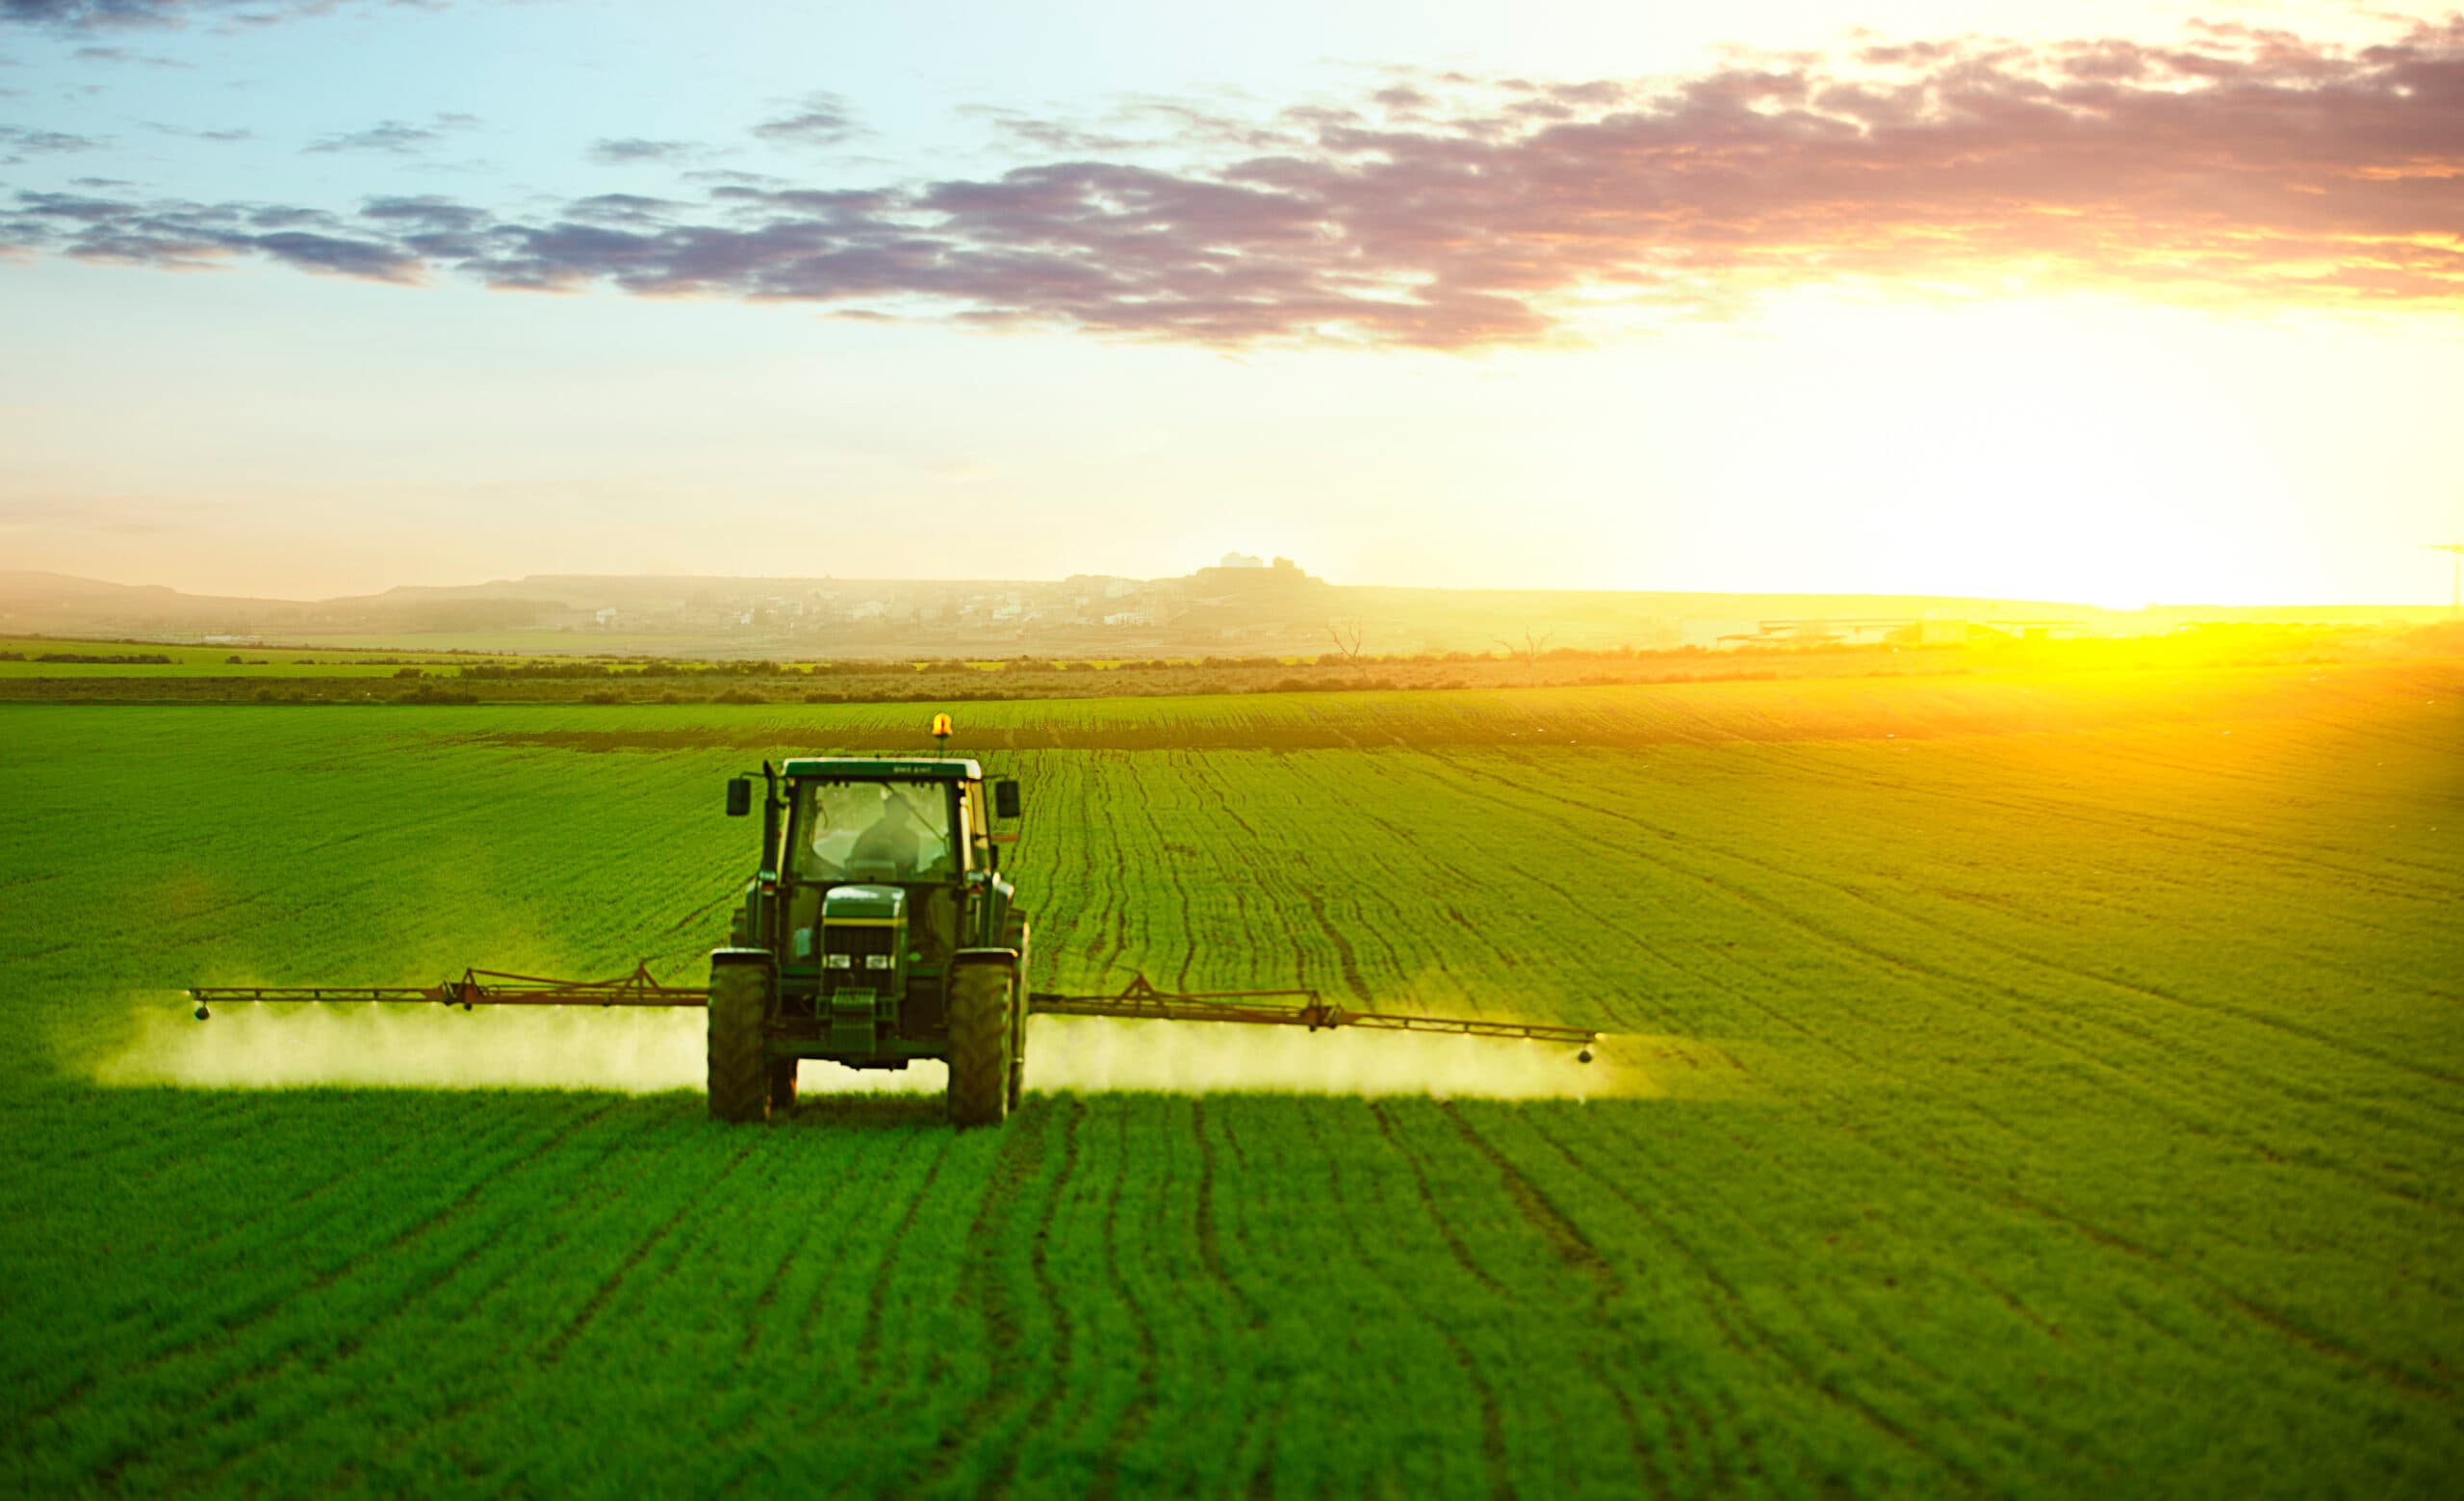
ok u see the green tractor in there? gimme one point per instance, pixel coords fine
(878, 930)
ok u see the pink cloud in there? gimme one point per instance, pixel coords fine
(2241, 166)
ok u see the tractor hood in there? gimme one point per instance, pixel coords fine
(864, 904)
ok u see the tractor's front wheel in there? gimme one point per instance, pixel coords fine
(739, 1077)
(980, 999)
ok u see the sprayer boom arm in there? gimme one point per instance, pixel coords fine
(1277, 1008)
(476, 988)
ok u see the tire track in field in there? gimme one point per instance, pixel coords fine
(202, 1251)
(1576, 1250)
(1210, 1244)
(350, 1345)
(1563, 1239)
(1878, 1332)
(226, 1333)
(554, 1351)
(1143, 800)
(1773, 1352)
(1961, 1170)
(1132, 1426)
(134, 1128)
(1402, 863)
(1564, 1236)
(1493, 1456)
(1957, 935)
(1278, 913)
(1064, 1335)
(1695, 1415)
(2072, 972)
(2022, 1015)
(868, 1343)
(232, 1394)
(2126, 1083)
(1451, 875)
(1120, 897)
(1018, 1165)
(840, 1187)
(1346, 961)
(884, 1170)
(456, 1408)
(2390, 1372)
(1265, 1416)
(2200, 836)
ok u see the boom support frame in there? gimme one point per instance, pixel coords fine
(1141, 999)
(476, 988)
(1138, 1001)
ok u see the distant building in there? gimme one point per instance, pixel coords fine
(1241, 561)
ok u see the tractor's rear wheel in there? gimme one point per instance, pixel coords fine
(980, 1045)
(739, 1078)
(1013, 935)
(783, 1085)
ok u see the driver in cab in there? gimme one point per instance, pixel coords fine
(894, 838)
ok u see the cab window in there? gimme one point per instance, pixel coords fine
(874, 831)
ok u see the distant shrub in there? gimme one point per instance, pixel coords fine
(737, 696)
(603, 698)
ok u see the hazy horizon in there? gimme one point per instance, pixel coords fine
(2134, 303)
(863, 578)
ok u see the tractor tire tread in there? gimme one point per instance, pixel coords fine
(980, 999)
(739, 1077)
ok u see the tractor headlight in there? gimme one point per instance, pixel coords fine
(838, 961)
(878, 960)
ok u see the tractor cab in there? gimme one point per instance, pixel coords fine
(915, 828)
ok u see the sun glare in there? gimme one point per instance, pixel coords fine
(2054, 449)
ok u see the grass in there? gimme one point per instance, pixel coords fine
(2060, 1096)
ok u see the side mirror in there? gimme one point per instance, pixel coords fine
(1005, 798)
(740, 796)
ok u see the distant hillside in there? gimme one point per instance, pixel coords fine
(1221, 611)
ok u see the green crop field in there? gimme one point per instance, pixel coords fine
(2031, 1084)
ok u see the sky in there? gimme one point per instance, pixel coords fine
(2098, 302)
